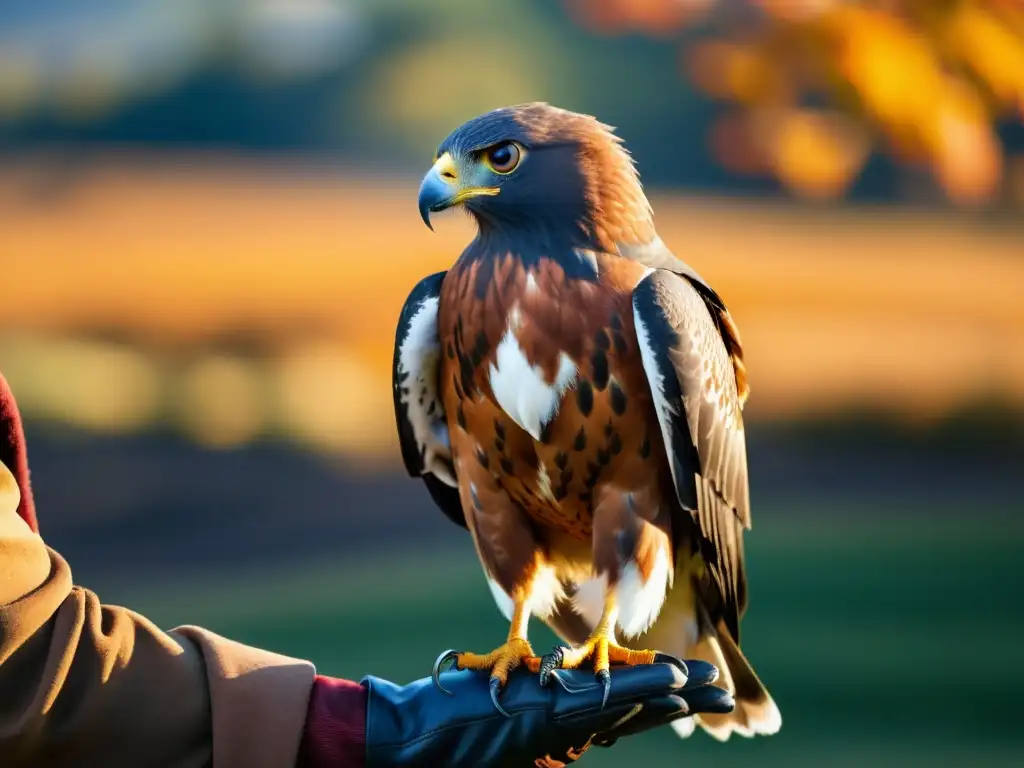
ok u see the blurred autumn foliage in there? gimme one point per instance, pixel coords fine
(819, 84)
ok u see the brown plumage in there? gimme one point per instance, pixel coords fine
(572, 393)
(599, 434)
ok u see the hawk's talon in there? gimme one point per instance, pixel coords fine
(550, 662)
(449, 655)
(664, 658)
(602, 652)
(495, 692)
(498, 664)
(605, 678)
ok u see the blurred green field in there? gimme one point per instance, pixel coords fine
(884, 644)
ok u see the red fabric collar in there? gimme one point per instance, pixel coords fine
(13, 453)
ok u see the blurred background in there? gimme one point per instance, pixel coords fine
(208, 227)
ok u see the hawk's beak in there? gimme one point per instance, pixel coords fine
(442, 188)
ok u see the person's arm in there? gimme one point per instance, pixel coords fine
(90, 684)
(85, 681)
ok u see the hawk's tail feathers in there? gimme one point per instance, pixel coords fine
(677, 632)
(756, 712)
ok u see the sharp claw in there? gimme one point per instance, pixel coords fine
(495, 690)
(605, 678)
(664, 658)
(550, 662)
(444, 658)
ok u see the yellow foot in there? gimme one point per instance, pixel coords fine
(602, 653)
(499, 662)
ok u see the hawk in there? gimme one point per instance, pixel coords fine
(571, 393)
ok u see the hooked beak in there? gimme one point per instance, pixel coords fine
(442, 188)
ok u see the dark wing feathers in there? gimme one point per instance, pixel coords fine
(447, 499)
(694, 383)
(658, 256)
(419, 406)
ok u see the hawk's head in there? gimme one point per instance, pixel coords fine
(540, 168)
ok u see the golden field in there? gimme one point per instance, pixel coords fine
(908, 313)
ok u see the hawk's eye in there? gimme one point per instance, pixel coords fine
(504, 157)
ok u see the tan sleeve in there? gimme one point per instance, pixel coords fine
(82, 683)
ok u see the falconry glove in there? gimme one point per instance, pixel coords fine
(550, 726)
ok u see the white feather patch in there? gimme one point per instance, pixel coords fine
(589, 599)
(545, 592)
(640, 601)
(684, 727)
(771, 722)
(418, 356)
(544, 484)
(521, 389)
(504, 602)
(590, 258)
(421, 340)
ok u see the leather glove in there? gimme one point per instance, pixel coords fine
(547, 726)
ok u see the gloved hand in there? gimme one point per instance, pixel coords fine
(547, 726)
